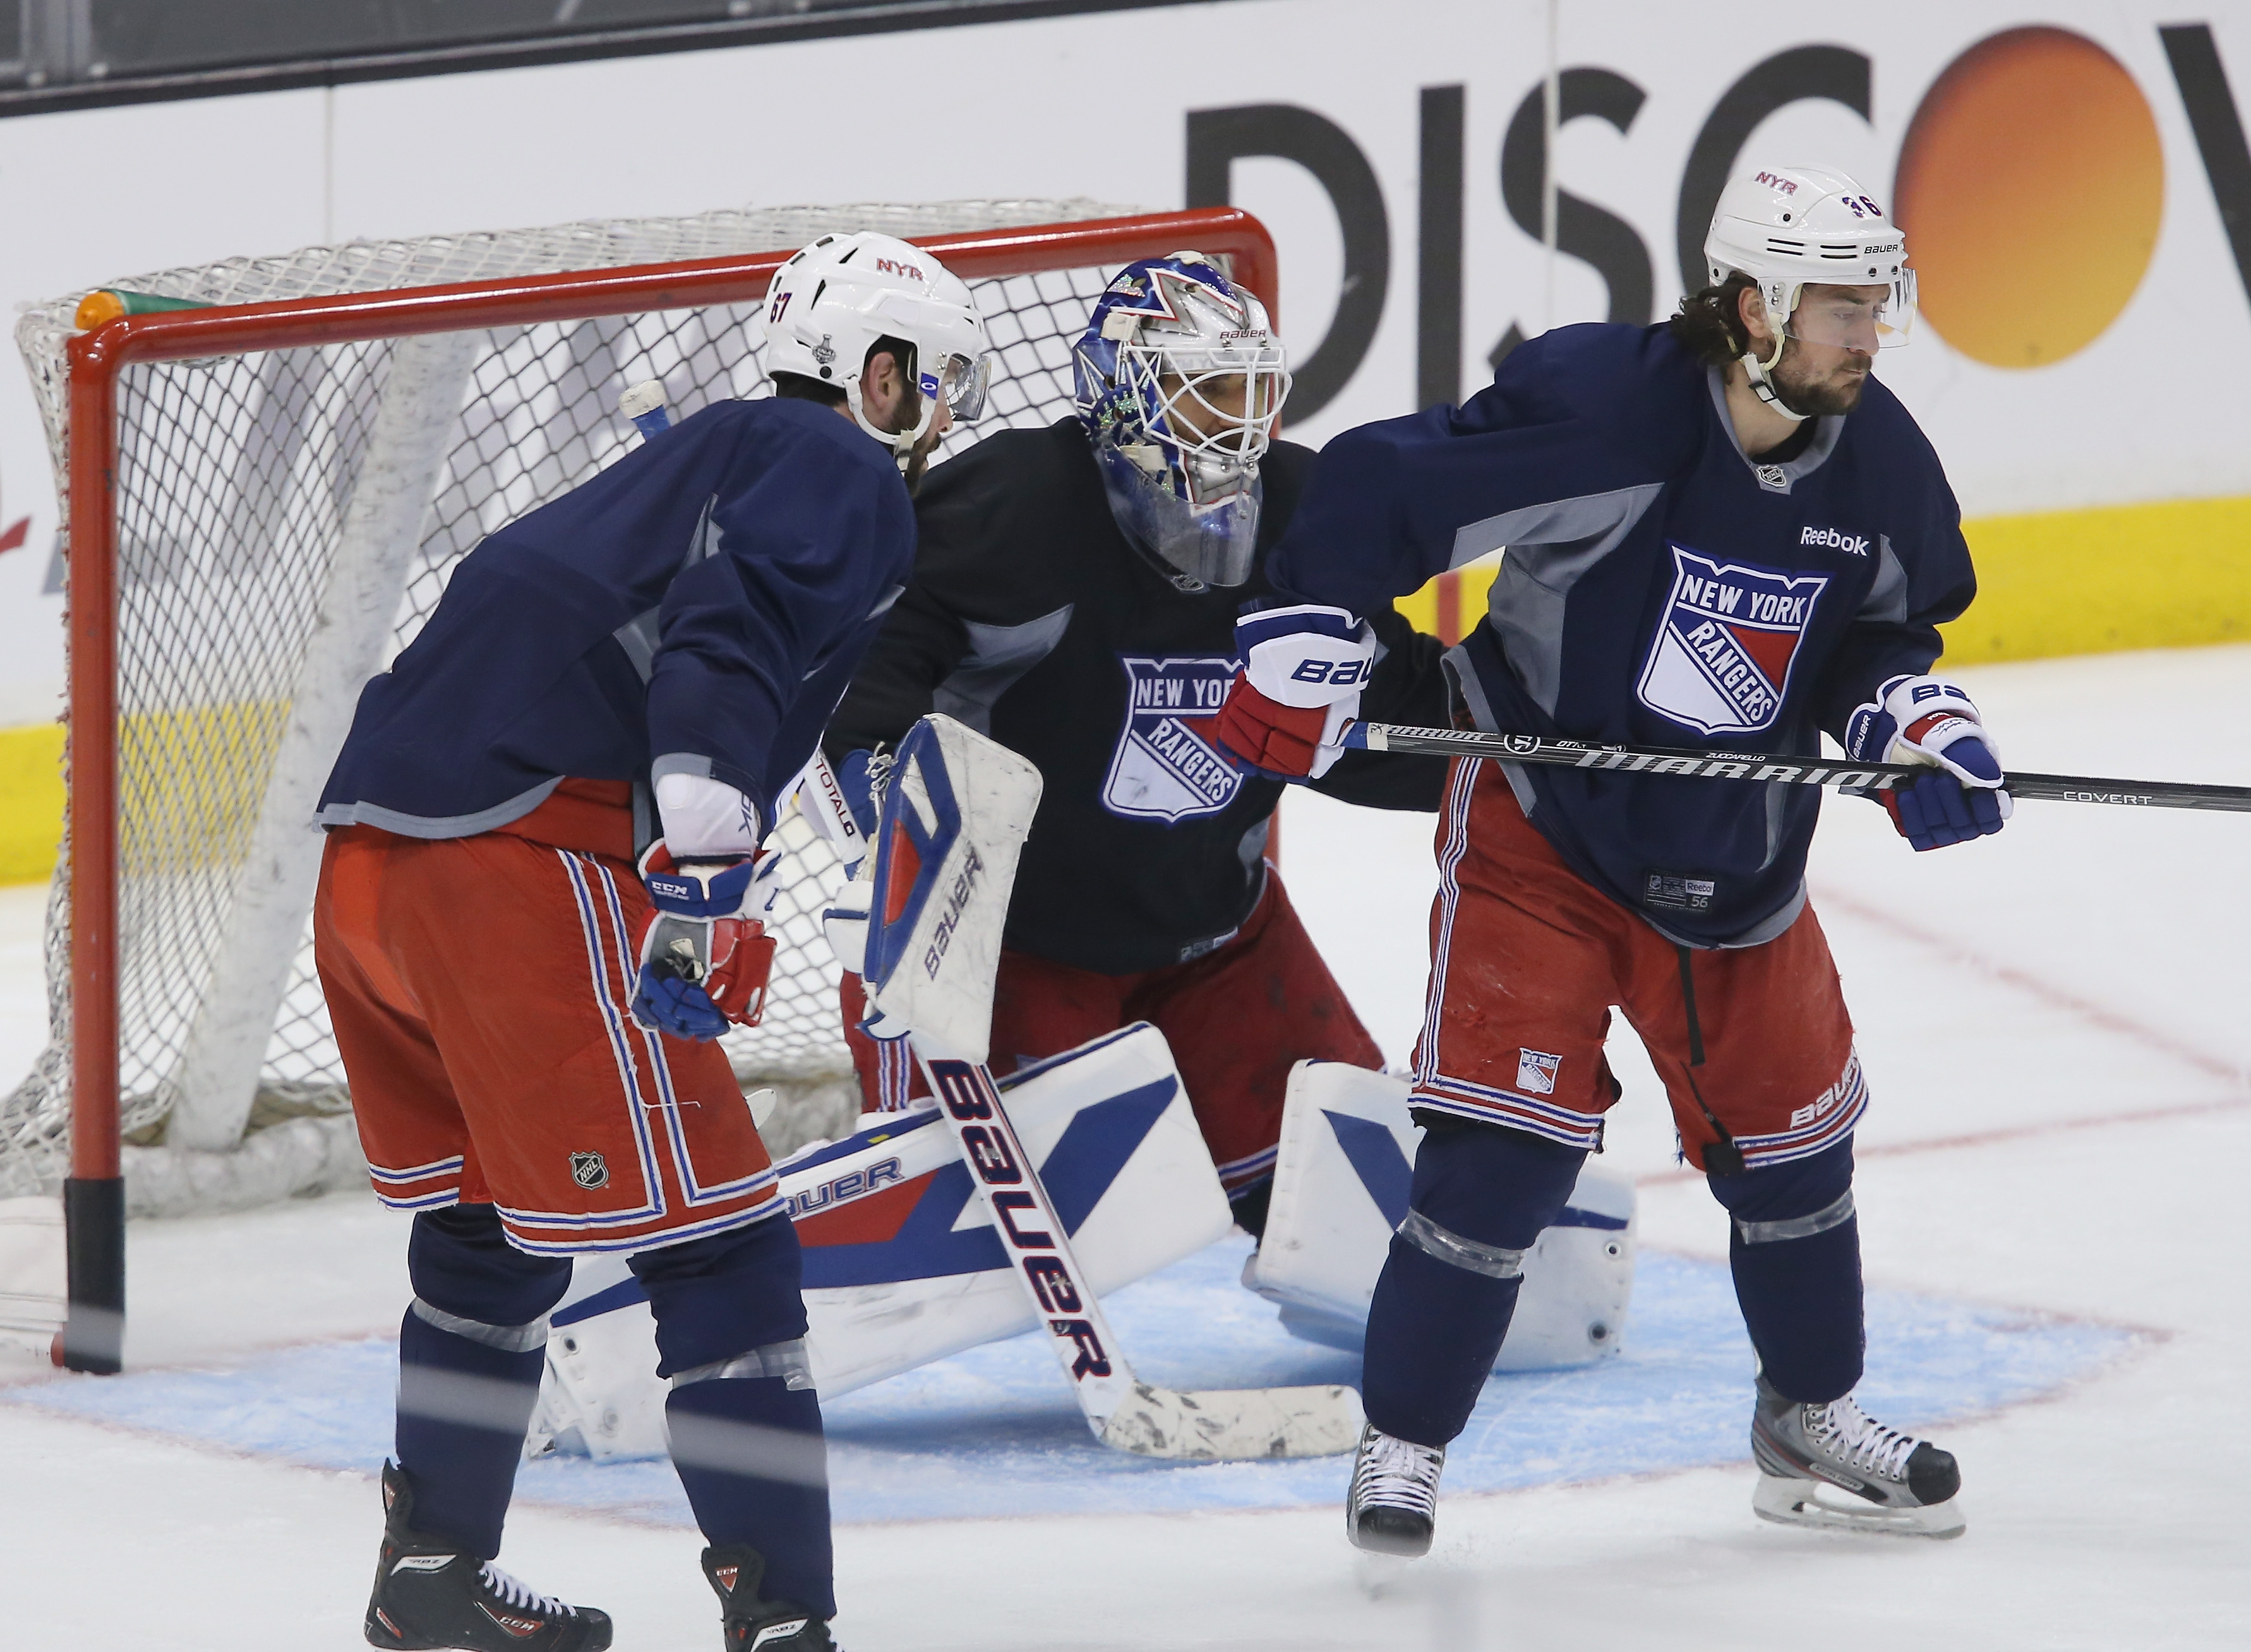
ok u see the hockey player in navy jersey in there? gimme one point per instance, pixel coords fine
(1720, 531)
(538, 905)
(1074, 596)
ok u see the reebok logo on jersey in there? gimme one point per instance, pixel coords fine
(1726, 643)
(1850, 544)
(1163, 768)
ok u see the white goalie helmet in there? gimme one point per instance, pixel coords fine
(1790, 227)
(829, 304)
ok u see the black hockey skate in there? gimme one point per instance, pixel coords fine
(428, 1595)
(1393, 1505)
(1904, 1486)
(751, 1623)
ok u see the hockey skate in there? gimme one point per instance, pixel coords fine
(1892, 1482)
(1394, 1501)
(750, 1624)
(429, 1595)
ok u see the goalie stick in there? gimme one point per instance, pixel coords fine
(1776, 767)
(954, 816)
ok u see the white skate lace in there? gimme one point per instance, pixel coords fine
(1842, 1427)
(1397, 1474)
(520, 1595)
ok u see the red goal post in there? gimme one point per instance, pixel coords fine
(94, 1191)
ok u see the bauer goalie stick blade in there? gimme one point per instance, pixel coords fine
(1127, 1415)
(1778, 767)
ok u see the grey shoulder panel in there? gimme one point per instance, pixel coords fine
(1886, 602)
(1550, 548)
(998, 658)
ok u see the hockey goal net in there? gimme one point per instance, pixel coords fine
(265, 499)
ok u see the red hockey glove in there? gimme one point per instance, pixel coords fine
(1304, 668)
(704, 962)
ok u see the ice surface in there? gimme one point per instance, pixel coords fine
(2053, 1024)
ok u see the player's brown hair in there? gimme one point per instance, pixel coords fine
(1710, 322)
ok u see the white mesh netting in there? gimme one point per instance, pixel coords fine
(236, 478)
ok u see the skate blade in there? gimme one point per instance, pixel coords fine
(1788, 1501)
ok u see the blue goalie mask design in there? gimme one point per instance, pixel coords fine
(1180, 379)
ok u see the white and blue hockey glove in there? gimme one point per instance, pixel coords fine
(859, 778)
(704, 959)
(1303, 667)
(1930, 721)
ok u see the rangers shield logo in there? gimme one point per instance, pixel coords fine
(1163, 769)
(1725, 642)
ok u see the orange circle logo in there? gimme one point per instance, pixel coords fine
(2031, 186)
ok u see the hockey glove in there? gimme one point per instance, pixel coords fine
(704, 960)
(1928, 720)
(1304, 670)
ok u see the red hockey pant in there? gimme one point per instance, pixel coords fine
(1526, 958)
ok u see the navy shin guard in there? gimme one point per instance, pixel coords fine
(744, 1420)
(1480, 1197)
(1795, 1251)
(470, 1351)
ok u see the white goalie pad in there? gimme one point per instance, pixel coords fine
(1341, 1186)
(901, 1266)
(954, 818)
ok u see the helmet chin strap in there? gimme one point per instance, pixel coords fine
(1763, 386)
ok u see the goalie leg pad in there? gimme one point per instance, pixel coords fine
(1795, 1252)
(1480, 1198)
(470, 1351)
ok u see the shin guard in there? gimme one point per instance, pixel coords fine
(470, 1351)
(745, 1427)
(1480, 1197)
(1796, 1255)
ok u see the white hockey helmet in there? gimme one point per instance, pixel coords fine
(1789, 228)
(831, 301)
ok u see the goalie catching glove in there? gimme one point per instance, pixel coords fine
(704, 960)
(1928, 720)
(1303, 667)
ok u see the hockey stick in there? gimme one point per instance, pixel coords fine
(1773, 767)
(954, 815)
(1124, 1412)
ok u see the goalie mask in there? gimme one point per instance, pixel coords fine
(830, 304)
(1792, 227)
(1180, 380)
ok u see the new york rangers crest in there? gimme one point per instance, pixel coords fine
(1726, 643)
(1163, 769)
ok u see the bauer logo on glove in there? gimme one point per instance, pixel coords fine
(1304, 670)
(704, 963)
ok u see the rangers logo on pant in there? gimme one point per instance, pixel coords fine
(1722, 658)
(1163, 769)
(1535, 1072)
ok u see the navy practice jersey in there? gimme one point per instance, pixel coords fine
(695, 608)
(1032, 619)
(1659, 589)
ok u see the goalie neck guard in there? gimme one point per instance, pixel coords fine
(1790, 227)
(1180, 380)
(830, 305)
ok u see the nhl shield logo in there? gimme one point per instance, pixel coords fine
(1535, 1072)
(590, 1170)
(1164, 769)
(1722, 658)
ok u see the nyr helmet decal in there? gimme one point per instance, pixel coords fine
(1725, 642)
(1163, 768)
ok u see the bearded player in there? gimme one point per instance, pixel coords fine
(1720, 531)
(1074, 596)
(525, 987)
